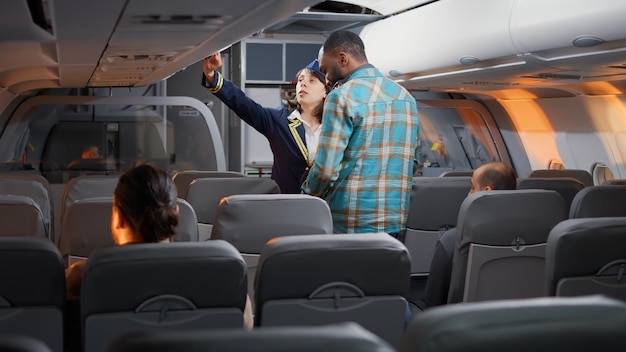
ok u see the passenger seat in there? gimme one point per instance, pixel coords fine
(547, 324)
(32, 293)
(567, 187)
(161, 287)
(599, 201)
(323, 279)
(38, 189)
(183, 179)
(587, 256)
(581, 175)
(249, 221)
(500, 249)
(205, 195)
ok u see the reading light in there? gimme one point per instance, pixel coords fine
(469, 60)
(586, 41)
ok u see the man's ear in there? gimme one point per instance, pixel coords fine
(343, 58)
(487, 188)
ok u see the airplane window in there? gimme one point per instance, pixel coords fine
(453, 139)
(601, 173)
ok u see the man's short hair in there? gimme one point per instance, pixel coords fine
(347, 41)
(499, 176)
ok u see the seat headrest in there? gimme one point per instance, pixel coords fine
(32, 272)
(249, 221)
(22, 216)
(91, 165)
(378, 264)
(599, 201)
(581, 175)
(204, 194)
(536, 324)
(182, 179)
(82, 187)
(435, 202)
(187, 229)
(567, 187)
(615, 181)
(345, 337)
(498, 217)
(120, 278)
(598, 240)
(30, 188)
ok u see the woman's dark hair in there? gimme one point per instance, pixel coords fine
(319, 109)
(147, 198)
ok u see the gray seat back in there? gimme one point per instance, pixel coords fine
(457, 173)
(499, 249)
(21, 343)
(587, 256)
(161, 287)
(567, 187)
(87, 226)
(581, 175)
(599, 201)
(205, 194)
(323, 279)
(434, 208)
(187, 229)
(21, 216)
(83, 187)
(615, 181)
(35, 187)
(546, 324)
(32, 296)
(183, 179)
(248, 221)
(347, 337)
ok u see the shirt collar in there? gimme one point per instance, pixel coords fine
(340, 82)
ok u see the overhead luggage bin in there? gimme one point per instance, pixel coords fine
(440, 35)
(527, 37)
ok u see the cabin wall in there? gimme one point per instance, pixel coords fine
(576, 131)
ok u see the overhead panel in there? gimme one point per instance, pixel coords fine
(441, 35)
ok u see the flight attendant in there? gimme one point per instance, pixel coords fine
(293, 133)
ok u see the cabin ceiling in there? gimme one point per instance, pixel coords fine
(78, 43)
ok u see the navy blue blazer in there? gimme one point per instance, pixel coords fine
(290, 162)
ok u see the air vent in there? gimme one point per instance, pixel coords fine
(556, 76)
(487, 83)
(40, 12)
(215, 20)
(140, 57)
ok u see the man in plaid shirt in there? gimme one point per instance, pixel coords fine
(368, 145)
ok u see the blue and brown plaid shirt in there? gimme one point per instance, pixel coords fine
(367, 153)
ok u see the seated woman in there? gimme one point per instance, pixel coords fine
(145, 210)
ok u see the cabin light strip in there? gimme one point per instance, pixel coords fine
(571, 56)
(469, 70)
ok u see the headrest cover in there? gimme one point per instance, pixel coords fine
(120, 278)
(377, 263)
(315, 66)
(538, 324)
